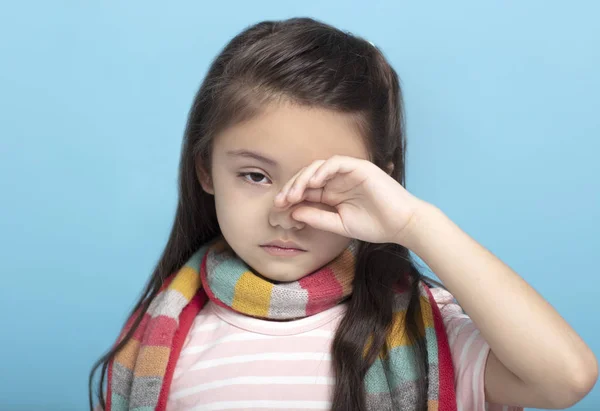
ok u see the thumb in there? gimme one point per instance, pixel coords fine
(320, 219)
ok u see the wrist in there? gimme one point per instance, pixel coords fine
(420, 226)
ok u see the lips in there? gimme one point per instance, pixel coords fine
(286, 245)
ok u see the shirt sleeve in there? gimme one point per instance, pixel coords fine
(469, 353)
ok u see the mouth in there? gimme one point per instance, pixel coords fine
(283, 248)
(284, 244)
(282, 252)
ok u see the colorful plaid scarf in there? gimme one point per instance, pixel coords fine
(140, 375)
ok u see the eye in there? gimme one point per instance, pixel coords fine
(254, 177)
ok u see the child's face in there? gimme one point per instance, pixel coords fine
(292, 137)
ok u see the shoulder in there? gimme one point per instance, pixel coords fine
(469, 352)
(466, 343)
(442, 297)
(449, 307)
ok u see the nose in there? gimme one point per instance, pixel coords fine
(282, 217)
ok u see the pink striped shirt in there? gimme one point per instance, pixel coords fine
(230, 361)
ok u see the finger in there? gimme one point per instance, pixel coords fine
(331, 167)
(280, 198)
(296, 191)
(320, 219)
(313, 195)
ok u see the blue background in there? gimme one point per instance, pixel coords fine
(503, 125)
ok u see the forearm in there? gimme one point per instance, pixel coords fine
(523, 330)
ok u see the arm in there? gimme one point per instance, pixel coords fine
(536, 359)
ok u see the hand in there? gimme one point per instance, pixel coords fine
(369, 204)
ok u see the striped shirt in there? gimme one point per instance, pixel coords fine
(230, 361)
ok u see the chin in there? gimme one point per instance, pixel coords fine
(278, 276)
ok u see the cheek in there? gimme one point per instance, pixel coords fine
(240, 207)
(330, 244)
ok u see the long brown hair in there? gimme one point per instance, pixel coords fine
(312, 64)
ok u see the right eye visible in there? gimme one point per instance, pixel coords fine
(254, 178)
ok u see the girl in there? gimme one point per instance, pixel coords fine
(287, 282)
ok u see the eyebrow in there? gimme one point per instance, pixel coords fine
(252, 154)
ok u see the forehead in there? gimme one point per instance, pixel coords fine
(294, 136)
